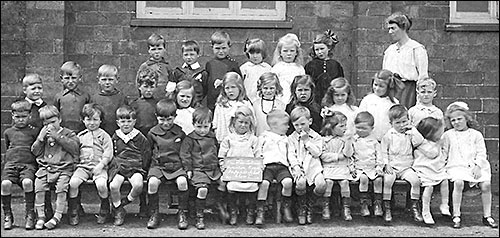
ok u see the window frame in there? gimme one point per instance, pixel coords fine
(473, 21)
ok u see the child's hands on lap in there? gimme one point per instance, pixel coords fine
(476, 172)
(388, 169)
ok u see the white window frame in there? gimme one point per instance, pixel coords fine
(234, 12)
(474, 17)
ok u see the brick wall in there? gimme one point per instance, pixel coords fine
(38, 36)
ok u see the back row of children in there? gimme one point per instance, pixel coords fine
(335, 160)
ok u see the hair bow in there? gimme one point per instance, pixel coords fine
(332, 36)
(458, 104)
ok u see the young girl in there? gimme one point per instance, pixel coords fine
(268, 88)
(336, 159)
(232, 95)
(385, 84)
(339, 97)
(183, 96)
(323, 68)
(255, 50)
(467, 160)
(287, 63)
(241, 141)
(303, 95)
(430, 166)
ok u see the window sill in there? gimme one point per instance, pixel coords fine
(212, 23)
(470, 27)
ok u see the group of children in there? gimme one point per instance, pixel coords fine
(301, 122)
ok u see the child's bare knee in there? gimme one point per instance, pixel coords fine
(287, 183)
(202, 193)
(182, 184)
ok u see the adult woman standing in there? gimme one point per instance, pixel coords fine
(406, 57)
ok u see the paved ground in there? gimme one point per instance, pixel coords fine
(368, 227)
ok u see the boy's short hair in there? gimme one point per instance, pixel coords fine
(20, 106)
(364, 117)
(166, 108)
(90, 109)
(126, 112)
(107, 70)
(30, 79)
(276, 115)
(220, 37)
(298, 112)
(190, 45)
(148, 76)
(202, 114)
(70, 67)
(429, 126)
(156, 39)
(48, 111)
(397, 111)
(255, 46)
(426, 82)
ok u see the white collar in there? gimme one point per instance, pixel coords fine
(126, 138)
(193, 66)
(38, 102)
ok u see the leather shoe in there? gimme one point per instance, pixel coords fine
(489, 221)
(52, 223)
(39, 223)
(444, 209)
(456, 222)
(30, 221)
(8, 222)
(428, 218)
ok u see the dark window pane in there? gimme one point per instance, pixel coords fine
(258, 4)
(469, 6)
(211, 4)
(175, 4)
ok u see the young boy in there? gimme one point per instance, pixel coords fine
(20, 165)
(426, 92)
(132, 157)
(199, 156)
(157, 50)
(165, 139)
(273, 148)
(305, 148)
(109, 97)
(396, 149)
(218, 67)
(57, 150)
(70, 101)
(368, 163)
(192, 70)
(96, 151)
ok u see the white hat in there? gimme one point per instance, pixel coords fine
(458, 104)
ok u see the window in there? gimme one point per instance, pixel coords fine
(212, 10)
(475, 12)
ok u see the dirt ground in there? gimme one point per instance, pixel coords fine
(402, 225)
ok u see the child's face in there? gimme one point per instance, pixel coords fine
(321, 51)
(92, 123)
(232, 91)
(379, 87)
(70, 81)
(221, 50)
(340, 97)
(269, 90)
(126, 125)
(255, 58)
(147, 90)
(279, 127)
(425, 95)
(288, 52)
(302, 124)
(20, 119)
(458, 120)
(202, 128)
(34, 91)
(363, 129)
(165, 123)
(241, 125)
(303, 92)
(157, 51)
(184, 98)
(340, 129)
(401, 124)
(107, 83)
(53, 123)
(190, 57)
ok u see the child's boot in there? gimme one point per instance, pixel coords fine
(377, 205)
(310, 201)
(103, 211)
(143, 208)
(259, 217)
(7, 210)
(415, 211)
(301, 214)
(154, 219)
(387, 207)
(325, 213)
(287, 209)
(200, 207)
(233, 211)
(182, 214)
(120, 214)
(365, 211)
(30, 210)
(250, 216)
(346, 204)
(73, 211)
